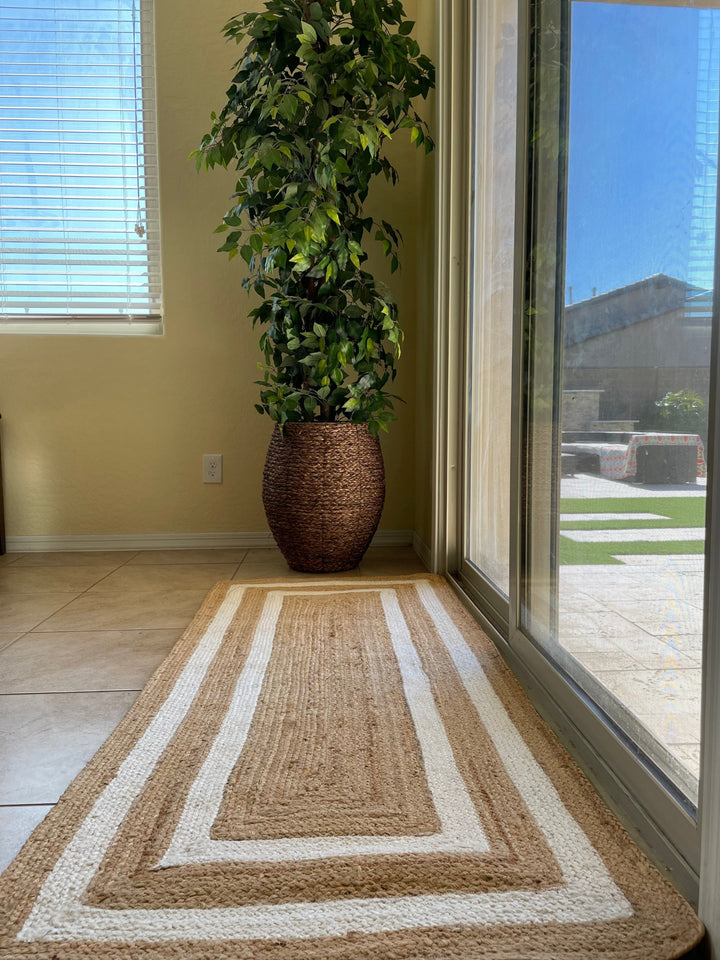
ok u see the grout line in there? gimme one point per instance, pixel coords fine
(44, 619)
(132, 555)
(11, 642)
(60, 693)
(69, 563)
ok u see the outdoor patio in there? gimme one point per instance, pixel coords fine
(636, 625)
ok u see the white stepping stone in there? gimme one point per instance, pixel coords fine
(628, 536)
(570, 517)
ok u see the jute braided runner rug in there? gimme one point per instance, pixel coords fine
(335, 768)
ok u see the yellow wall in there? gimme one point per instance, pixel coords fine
(105, 435)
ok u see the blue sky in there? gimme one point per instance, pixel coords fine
(633, 134)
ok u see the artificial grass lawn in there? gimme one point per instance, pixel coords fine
(680, 512)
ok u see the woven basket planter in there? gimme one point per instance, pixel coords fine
(323, 492)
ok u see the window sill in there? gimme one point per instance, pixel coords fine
(91, 328)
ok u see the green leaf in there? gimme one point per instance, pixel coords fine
(406, 28)
(288, 106)
(308, 32)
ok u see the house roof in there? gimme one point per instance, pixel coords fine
(652, 297)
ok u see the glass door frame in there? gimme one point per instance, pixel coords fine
(478, 586)
(655, 816)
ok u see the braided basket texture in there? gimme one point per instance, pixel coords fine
(323, 492)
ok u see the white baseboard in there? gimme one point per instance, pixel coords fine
(422, 550)
(173, 541)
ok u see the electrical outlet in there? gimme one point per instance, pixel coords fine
(212, 468)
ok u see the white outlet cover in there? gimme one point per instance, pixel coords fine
(212, 468)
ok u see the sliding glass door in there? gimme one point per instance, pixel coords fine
(588, 369)
(618, 415)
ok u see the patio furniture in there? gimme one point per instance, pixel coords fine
(568, 464)
(666, 464)
(643, 457)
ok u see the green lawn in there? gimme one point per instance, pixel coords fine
(680, 512)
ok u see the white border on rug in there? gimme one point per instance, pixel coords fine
(461, 830)
(588, 894)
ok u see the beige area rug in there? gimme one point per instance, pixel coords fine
(335, 768)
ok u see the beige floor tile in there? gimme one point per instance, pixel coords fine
(38, 580)
(389, 561)
(188, 556)
(391, 554)
(161, 577)
(77, 558)
(46, 739)
(8, 637)
(262, 564)
(95, 660)
(22, 613)
(16, 825)
(268, 555)
(272, 571)
(8, 558)
(378, 561)
(132, 610)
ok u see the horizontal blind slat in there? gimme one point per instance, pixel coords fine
(79, 217)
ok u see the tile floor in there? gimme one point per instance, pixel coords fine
(80, 634)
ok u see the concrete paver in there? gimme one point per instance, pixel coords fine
(636, 626)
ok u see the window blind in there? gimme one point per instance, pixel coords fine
(79, 219)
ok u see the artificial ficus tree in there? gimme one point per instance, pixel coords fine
(318, 91)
